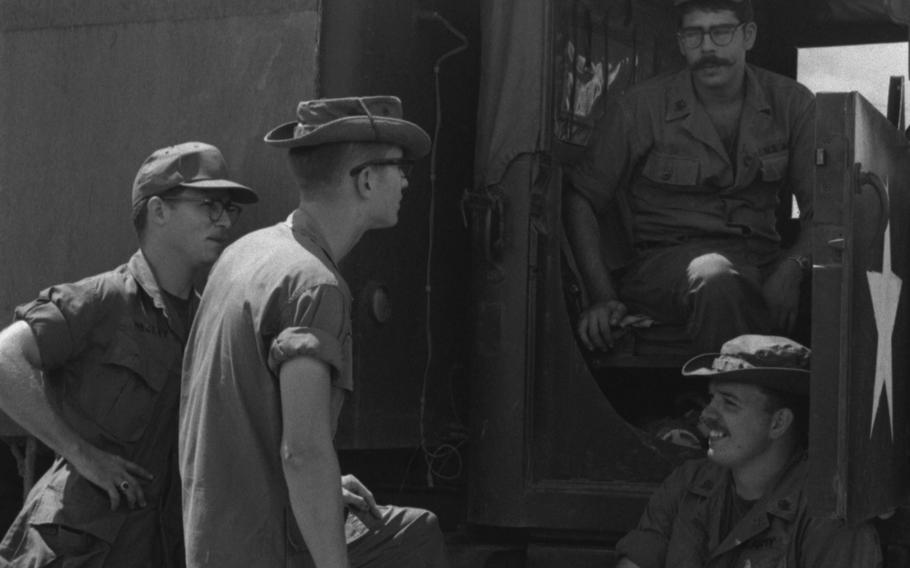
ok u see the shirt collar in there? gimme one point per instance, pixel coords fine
(783, 499)
(139, 267)
(305, 226)
(681, 99)
(755, 94)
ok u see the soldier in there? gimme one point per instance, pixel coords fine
(745, 505)
(268, 363)
(698, 160)
(92, 369)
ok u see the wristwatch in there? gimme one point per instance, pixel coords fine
(802, 261)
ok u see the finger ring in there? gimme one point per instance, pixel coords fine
(125, 485)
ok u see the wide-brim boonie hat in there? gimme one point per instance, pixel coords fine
(190, 164)
(769, 361)
(352, 119)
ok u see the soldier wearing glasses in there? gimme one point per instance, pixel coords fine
(696, 162)
(268, 363)
(92, 369)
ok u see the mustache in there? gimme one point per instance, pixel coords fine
(710, 423)
(710, 61)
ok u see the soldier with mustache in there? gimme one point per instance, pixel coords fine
(745, 505)
(695, 164)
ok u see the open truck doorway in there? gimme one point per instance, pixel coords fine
(561, 449)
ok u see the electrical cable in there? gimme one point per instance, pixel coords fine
(445, 452)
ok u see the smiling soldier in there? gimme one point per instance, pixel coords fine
(745, 505)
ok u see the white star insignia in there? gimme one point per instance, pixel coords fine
(885, 288)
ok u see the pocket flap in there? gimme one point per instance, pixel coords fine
(773, 167)
(124, 351)
(671, 170)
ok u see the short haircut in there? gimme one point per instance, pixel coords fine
(324, 166)
(742, 9)
(798, 405)
(140, 211)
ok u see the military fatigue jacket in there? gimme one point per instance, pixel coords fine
(657, 150)
(682, 527)
(111, 354)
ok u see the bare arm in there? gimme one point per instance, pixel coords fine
(311, 468)
(781, 289)
(24, 398)
(605, 309)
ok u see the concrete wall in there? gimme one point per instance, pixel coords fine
(88, 88)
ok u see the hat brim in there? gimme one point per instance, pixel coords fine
(382, 129)
(239, 193)
(784, 379)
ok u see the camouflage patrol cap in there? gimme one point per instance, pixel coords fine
(191, 164)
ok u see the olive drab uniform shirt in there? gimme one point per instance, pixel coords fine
(657, 151)
(682, 527)
(111, 347)
(274, 295)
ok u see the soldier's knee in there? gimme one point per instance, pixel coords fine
(709, 269)
(428, 523)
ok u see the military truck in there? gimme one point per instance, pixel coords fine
(474, 397)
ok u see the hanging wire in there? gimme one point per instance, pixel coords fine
(437, 458)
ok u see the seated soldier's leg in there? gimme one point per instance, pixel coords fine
(724, 301)
(716, 296)
(402, 537)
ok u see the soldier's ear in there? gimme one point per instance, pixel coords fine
(157, 210)
(362, 182)
(750, 34)
(781, 421)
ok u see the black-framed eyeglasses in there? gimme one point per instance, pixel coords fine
(214, 207)
(404, 164)
(721, 35)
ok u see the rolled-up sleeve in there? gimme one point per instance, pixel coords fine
(62, 318)
(597, 176)
(316, 324)
(828, 543)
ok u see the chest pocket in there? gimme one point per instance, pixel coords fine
(121, 398)
(671, 170)
(773, 167)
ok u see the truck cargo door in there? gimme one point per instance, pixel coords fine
(860, 325)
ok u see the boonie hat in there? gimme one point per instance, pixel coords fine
(764, 360)
(352, 119)
(191, 164)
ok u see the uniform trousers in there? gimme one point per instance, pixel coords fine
(712, 287)
(402, 537)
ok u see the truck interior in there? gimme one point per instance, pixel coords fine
(597, 44)
(597, 431)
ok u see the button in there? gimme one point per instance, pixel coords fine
(665, 175)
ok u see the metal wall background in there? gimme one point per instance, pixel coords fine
(89, 88)
(391, 47)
